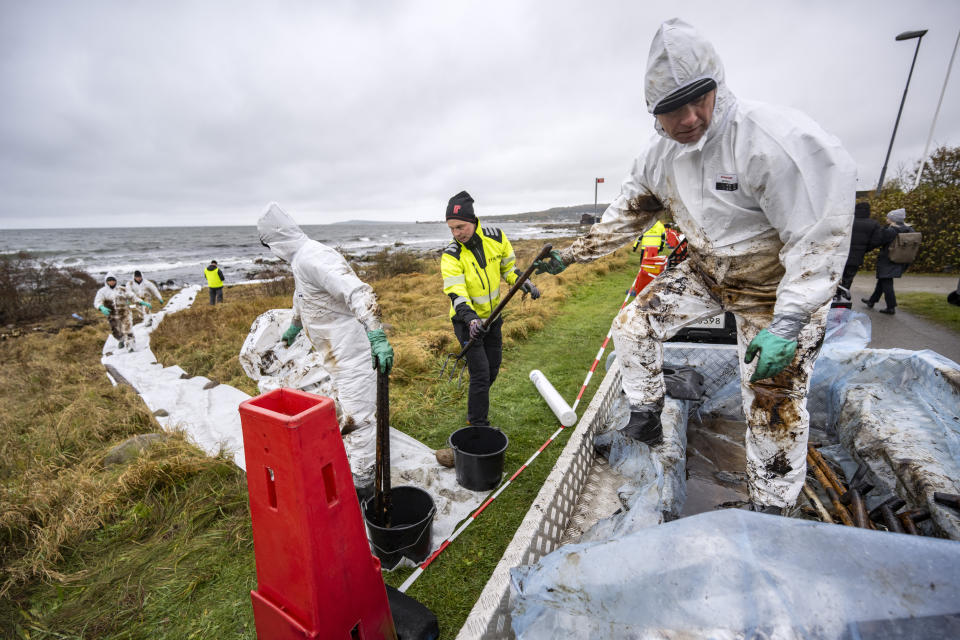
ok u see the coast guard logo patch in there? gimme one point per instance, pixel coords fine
(727, 182)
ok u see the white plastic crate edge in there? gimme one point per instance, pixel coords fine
(546, 520)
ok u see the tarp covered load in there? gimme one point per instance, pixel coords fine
(739, 574)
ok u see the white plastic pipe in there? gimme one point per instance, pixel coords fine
(559, 406)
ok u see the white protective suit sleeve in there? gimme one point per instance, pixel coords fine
(151, 288)
(629, 216)
(101, 297)
(806, 187)
(345, 286)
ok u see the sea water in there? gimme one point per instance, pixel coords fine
(181, 253)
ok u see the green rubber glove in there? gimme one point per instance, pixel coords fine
(146, 304)
(105, 311)
(775, 354)
(161, 300)
(381, 350)
(552, 265)
(291, 334)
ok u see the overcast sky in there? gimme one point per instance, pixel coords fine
(182, 113)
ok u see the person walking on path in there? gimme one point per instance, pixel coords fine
(142, 289)
(887, 269)
(865, 237)
(765, 198)
(341, 318)
(215, 279)
(114, 302)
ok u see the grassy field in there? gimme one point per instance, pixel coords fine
(160, 547)
(931, 306)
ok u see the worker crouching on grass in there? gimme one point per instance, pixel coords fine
(765, 199)
(472, 267)
(341, 318)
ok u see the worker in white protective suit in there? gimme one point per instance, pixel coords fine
(765, 199)
(143, 288)
(341, 317)
(114, 301)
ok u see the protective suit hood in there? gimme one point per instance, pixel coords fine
(279, 231)
(680, 56)
(110, 276)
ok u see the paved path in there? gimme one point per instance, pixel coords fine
(906, 330)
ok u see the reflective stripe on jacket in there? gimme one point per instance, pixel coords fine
(214, 279)
(652, 237)
(472, 271)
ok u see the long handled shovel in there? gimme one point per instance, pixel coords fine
(381, 486)
(458, 359)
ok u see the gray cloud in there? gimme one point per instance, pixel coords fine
(127, 114)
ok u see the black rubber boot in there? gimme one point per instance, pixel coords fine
(644, 426)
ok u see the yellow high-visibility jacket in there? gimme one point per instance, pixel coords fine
(472, 271)
(214, 277)
(652, 237)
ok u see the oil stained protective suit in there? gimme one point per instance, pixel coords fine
(336, 310)
(765, 199)
(118, 299)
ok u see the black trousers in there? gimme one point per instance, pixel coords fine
(483, 363)
(884, 288)
(849, 271)
(216, 295)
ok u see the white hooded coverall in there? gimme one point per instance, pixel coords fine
(336, 310)
(142, 289)
(118, 299)
(765, 199)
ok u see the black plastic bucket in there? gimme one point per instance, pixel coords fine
(478, 456)
(411, 519)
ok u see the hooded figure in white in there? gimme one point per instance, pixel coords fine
(114, 302)
(341, 317)
(765, 199)
(142, 289)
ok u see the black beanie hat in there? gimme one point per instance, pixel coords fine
(460, 207)
(137, 274)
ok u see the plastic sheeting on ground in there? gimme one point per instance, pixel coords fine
(204, 410)
(738, 574)
(268, 361)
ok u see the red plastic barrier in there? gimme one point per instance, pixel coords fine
(316, 577)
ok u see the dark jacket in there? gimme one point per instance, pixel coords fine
(865, 236)
(886, 268)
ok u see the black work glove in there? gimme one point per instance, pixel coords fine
(529, 287)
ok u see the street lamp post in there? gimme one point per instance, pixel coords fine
(906, 35)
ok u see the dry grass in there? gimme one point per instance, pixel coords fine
(96, 531)
(205, 340)
(59, 415)
(121, 550)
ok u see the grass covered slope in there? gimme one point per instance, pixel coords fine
(90, 550)
(160, 546)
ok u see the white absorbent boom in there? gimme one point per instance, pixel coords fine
(559, 406)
